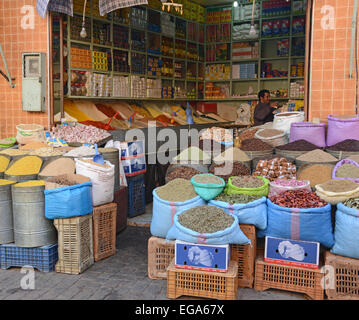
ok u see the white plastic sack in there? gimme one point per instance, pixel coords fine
(117, 145)
(103, 180)
(282, 121)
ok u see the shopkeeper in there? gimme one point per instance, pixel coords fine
(263, 112)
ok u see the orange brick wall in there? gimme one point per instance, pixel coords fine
(331, 89)
(16, 38)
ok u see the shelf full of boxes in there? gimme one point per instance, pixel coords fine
(138, 52)
(238, 67)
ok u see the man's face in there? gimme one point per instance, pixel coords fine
(266, 98)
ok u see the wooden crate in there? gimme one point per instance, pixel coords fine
(288, 278)
(104, 230)
(160, 255)
(345, 285)
(245, 256)
(75, 249)
(213, 285)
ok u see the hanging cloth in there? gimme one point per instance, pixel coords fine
(107, 6)
(61, 6)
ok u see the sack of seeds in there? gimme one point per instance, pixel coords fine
(346, 169)
(310, 224)
(206, 225)
(253, 212)
(346, 233)
(174, 196)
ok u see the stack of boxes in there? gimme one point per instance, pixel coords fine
(153, 66)
(168, 92)
(244, 71)
(138, 17)
(244, 12)
(218, 15)
(297, 70)
(138, 87)
(99, 61)
(296, 90)
(167, 25)
(80, 58)
(241, 31)
(216, 91)
(244, 50)
(101, 85)
(154, 88)
(275, 8)
(121, 86)
(218, 71)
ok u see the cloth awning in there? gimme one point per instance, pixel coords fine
(66, 6)
(107, 6)
(61, 6)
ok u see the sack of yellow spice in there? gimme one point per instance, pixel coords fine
(4, 162)
(25, 166)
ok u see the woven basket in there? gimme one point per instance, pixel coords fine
(342, 154)
(288, 153)
(300, 163)
(256, 154)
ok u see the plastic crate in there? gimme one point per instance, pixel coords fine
(136, 195)
(75, 247)
(121, 198)
(160, 255)
(346, 277)
(104, 231)
(213, 285)
(288, 278)
(42, 258)
(245, 256)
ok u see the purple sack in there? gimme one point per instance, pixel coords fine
(342, 129)
(340, 163)
(311, 132)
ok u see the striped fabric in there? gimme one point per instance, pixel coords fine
(61, 6)
(107, 6)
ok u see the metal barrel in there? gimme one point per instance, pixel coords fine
(6, 220)
(31, 227)
(112, 155)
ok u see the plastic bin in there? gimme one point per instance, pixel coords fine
(136, 195)
(42, 258)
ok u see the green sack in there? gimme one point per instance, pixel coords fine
(260, 191)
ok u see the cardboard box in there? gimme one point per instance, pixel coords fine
(292, 252)
(131, 148)
(207, 107)
(202, 256)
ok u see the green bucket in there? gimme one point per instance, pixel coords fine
(260, 191)
(207, 191)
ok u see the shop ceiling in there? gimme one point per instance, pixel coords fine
(207, 3)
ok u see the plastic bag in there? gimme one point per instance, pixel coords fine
(207, 191)
(340, 163)
(283, 120)
(274, 141)
(70, 201)
(311, 132)
(254, 212)
(314, 224)
(346, 233)
(335, 197)
(275, 189)
(103, 180)
(342, 129)
(260, 191)
(163, 213)
(232, 234)
(117, 145)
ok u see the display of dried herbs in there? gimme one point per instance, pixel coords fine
(247, 182)
(352, 203)
(236, 198)
(205, 219)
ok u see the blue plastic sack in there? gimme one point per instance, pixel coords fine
(254, 212)
(70, 201)
(346, 232)
(314, 224)
(164, 211)
(231, 235)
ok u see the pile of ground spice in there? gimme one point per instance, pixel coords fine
(316, 174)
(317, 155)
(346, 145)
(347, 170)
(255, 145)
(339, 185)
(207, 178)
(177, 190)
(298, 145)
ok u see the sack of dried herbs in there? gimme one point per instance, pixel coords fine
(248, 209)
(206, 225)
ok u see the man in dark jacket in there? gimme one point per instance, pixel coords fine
(264, 110)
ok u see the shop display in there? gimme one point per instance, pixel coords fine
(298, 199)
(217, 134)
(281, 185)
(226, 170)
(350, 145)
(247, 182)
(58, 167)
(27, 165)
(232, 154)
(347, 169)
(178, 190)
(207, 178)
(236, 198)
(181, 172)
(298, 145)
(192, 154)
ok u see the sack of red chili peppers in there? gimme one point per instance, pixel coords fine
(299, 215)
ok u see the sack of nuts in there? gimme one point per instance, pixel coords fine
(277, 168)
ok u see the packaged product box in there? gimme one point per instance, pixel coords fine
(202, 256)
(134, 166)
(292, 252)
(267, 29)
(131, 148)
